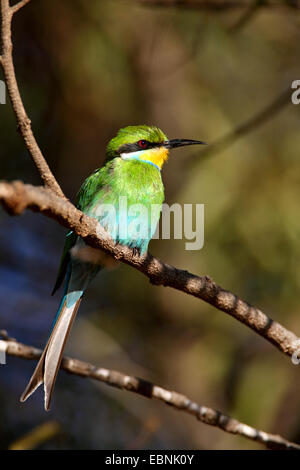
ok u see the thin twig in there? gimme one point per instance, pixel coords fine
(19, 5)
(247, 15)
(17, 196)
(24, 123)
(218, 5)
(147, 389)
(37, 436)
(251, 124)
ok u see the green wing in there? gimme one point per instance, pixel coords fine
(90, 190)
(69, 243)
(86, 195)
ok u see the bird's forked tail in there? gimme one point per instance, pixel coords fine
(49, 363)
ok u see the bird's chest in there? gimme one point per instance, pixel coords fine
(129, 205)
(130, 184)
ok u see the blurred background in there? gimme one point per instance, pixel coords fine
(222, 75)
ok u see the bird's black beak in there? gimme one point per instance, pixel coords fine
(172, 144)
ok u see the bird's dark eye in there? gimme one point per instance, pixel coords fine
(143, 144)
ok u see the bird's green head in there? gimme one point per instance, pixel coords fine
(145, 143)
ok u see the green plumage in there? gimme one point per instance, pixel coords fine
(138, 183)
(136, 180)
(132, 134)
(130, 175)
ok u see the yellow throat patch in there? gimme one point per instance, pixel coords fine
(157, 155)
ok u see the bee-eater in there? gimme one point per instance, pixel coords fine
(132, 170)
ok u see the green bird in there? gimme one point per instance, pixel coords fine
(128, 183)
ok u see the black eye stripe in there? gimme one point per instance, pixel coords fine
(135, 147)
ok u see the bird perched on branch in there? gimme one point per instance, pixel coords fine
(129, 182)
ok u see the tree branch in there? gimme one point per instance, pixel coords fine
(149, 390)
(17, 196)
(24, 123)
(19, 5)
(218, 5)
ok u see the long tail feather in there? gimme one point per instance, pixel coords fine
(50, 360)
